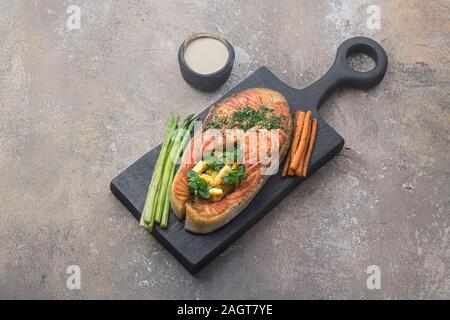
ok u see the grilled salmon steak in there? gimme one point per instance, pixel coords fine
(227, 162)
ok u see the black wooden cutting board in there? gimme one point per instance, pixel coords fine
(194, 251)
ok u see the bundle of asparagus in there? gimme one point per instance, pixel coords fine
(156, 208)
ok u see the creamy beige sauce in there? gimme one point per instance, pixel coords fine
(206, 55)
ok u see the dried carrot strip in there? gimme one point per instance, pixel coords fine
(299, 119)
(299, 170)
(310, 147)
(286, 165)
(300, 152)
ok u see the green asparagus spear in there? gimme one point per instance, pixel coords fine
(165, 212)
(168, 171)
(166, 209)
(165, 175)
(147, 216)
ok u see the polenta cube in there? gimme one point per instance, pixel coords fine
(200, 166)
(216, 194)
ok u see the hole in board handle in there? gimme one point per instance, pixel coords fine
(360, 62)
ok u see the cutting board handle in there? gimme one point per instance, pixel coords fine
(341, 74)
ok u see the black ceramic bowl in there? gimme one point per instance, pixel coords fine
(205, 82)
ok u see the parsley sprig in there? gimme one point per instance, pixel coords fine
(197, 186)
(217, 161)
(235, 176)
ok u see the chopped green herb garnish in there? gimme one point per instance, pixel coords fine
(247, 118)
(219, 122)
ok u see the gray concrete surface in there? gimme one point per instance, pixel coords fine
(79, 106)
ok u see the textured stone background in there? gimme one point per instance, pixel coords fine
(79, 106)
